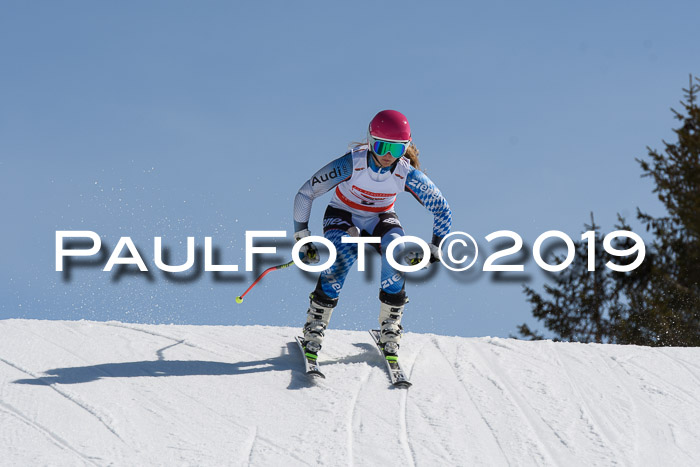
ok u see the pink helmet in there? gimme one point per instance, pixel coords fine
(390, 125)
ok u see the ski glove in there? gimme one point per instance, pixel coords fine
(414, 258)
(308, 252)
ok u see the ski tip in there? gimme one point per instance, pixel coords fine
(403, 384)
(316, 374)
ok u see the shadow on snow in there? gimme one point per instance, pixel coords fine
(290, 360)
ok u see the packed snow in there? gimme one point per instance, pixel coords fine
(96, 393)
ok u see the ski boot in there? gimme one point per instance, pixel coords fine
(317, 318)
(390, 314)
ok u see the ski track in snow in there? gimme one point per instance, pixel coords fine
(695, 397)
(213, 395)
(648, 386)
(405, 438)
(449, 453)
(403, 432)
(47, 433)
(636, 412)
(468, 394)
(527, 413)
(353, 413)
(251, 450)
(587, 414)
(70, 397)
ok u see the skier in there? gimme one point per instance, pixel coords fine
(366, 181)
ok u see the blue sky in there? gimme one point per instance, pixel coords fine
(179, 119)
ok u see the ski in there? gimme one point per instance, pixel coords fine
(398, 377)
(310, 363)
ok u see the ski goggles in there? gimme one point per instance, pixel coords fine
(382, 147)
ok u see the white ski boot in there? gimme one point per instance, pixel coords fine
(390, 326)
(317, 318)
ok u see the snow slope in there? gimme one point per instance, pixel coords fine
(89, 393)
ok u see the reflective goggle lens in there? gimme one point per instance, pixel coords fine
(382, 148)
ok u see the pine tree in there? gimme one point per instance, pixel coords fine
(667, 291)
(659, 302)
(579, 307)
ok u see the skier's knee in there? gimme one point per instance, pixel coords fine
(399, 247)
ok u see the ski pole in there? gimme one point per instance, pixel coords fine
(239, 299)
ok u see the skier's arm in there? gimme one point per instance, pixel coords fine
(425, 191)
(321, 182)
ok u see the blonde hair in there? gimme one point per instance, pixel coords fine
(411, 153)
